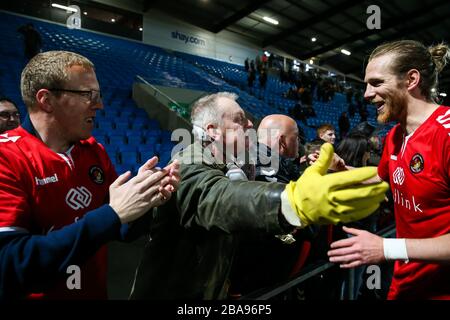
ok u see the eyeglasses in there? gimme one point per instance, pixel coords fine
(5, 115)
(93, 96)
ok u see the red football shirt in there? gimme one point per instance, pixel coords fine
(418, 169)
(41, 191)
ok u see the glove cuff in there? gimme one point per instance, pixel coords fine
(290, 213)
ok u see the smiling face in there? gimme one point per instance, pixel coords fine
(74, 113)
(385, 90)
(328, 136)
(230, 134)
(234, 125)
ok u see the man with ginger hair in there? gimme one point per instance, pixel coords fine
(60, 198)
(402, 82)
(327, 133)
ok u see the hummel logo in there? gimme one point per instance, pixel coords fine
(47, 180)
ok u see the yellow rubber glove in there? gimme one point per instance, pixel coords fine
(321, 198)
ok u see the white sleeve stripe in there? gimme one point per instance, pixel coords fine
(9, 229)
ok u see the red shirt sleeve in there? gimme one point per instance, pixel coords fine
(383, 166)
(446, 156)
(14, 208)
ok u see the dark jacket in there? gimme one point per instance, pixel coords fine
(262, 259)
(283, 171)
(194, 236)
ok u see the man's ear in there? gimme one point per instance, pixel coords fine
(282, 141)
(212, 131)
(321, 135)
(44, 100)
(412, 79)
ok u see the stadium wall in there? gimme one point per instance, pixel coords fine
(164, 31)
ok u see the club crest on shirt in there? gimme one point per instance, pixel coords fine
(416, 164)
(97, 175)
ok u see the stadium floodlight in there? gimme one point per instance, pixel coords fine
(59, 6)
(313, 39)
(346, 52)
(271, 20)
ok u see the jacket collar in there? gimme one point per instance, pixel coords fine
(27, 125)
(196, 153)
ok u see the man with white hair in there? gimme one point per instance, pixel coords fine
(194, 235)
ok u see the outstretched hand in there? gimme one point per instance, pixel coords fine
(131, 198)
(363, 248)
(321, 198)
(169, 184)
(337, 163)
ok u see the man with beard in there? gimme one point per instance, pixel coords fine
(402, 82)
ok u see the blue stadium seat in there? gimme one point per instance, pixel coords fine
(146, 155)
(120, 168)
(105, 125)
(147, 148)
(122, 125)
(117, 140)
(127, 147)
(101, 139)
(129, 158)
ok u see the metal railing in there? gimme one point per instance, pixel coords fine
(158, 93)
(307, 273)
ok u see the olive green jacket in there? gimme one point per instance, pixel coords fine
(193, 237)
